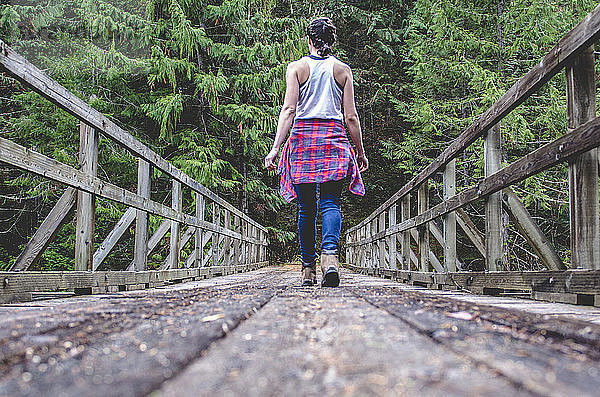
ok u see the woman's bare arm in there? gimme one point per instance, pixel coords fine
(287, 113)
(344, 75)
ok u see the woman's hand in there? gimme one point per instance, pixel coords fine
(363, 162)
(270, 159)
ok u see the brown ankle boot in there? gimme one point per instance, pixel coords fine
(330, 269)
(309, 275)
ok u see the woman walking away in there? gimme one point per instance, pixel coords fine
(317, 153)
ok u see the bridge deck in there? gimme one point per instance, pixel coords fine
(258, 334)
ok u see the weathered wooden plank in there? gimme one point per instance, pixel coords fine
(140, 250)
(581, 282)
(20, 157)
(392, 240)
(423, 240)
(580, 140)
(449, 220)
(531, 231)
(372, 246)
(47, 231)
(381, 243)
(467, 225)
(492, 160)
(22, 284)
(199, 247)
(405, 236)
(215, 237)
(227, 240)
(85, 214)
(570, 46)
(583, 169)
(174, 241)
(113, 237)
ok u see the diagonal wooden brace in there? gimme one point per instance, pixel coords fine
(47, 231)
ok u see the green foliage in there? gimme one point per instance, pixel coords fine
(202, 82)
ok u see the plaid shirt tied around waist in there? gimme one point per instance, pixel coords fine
(317, 151)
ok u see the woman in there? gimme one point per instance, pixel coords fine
(318, 154)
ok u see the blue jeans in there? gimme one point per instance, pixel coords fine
(329, 203)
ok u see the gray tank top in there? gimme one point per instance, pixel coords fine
(320, 96)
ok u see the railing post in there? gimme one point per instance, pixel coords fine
(254, 246)
(492, 158)
(237, 243)
(358, 249)
(423, 230)
(405, 214)
(373, 244)
(215, 237)
(583, 170)
(353, 250)
(176, 203)
(261, 248)
(363, 248)
(227, 240)
(251, 234)
(393, 238)
(84, 230)
(381, 242)
(243, 242)
(449, 220)
(200, 208)
(140, 251)
(348, 249)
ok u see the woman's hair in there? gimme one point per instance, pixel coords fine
(322, 33)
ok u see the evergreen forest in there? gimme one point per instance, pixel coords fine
(201, 82)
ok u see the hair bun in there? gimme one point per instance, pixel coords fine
(322, 33)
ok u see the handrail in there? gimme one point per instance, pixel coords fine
(224, 241)
(38, 81)
(571, 45)
(373, 242)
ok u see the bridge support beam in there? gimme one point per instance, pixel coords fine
(393, 239)
(174, 243)
(493, 205)
(199, 247)
(449, 220)
(216, 219)
(531, 231)
(381, 242)
(43, 236)
(583, 169)
(140, 251)
(423, 230)
(406, 251)
(84, 229)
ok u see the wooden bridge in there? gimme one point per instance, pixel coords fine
(223, 320)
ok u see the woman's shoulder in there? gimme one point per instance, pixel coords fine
(340, 63)
(298, 63)
(340, 68)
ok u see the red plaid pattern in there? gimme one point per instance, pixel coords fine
(317, 151)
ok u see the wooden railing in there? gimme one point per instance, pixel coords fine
(381, 243)
(224, 239)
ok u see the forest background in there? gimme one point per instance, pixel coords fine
(201, 82)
